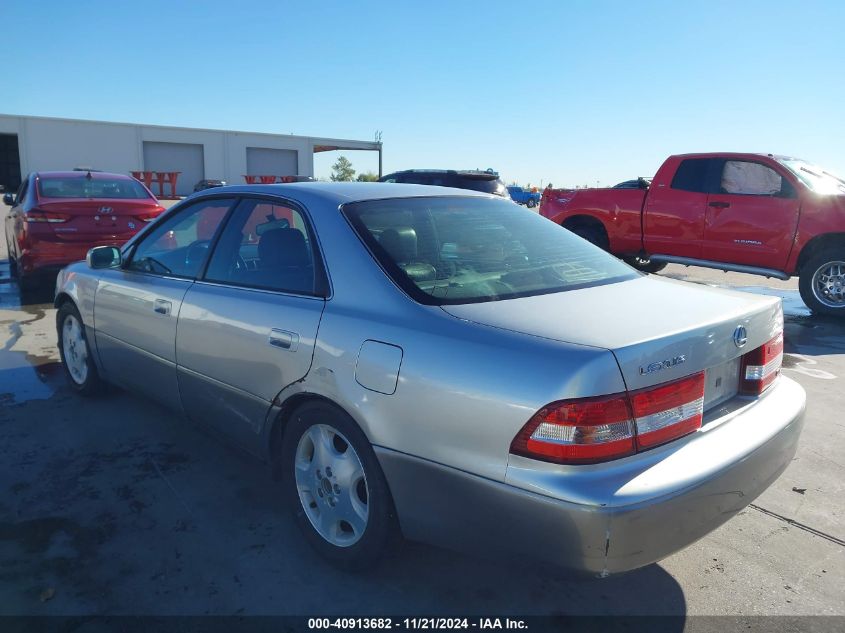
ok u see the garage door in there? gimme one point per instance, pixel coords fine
(10, 162)
(262, 161)
(185, 157)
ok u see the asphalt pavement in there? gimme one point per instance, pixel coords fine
(117, 506)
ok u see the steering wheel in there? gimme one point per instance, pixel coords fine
(195, 254)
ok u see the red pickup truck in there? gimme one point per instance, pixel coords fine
(754, 213)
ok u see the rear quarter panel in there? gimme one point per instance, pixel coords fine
(820, 215)
(463, 390)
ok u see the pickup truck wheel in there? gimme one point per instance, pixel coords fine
(531, 203)
(645, 264)
(822, 282)
(592, 235)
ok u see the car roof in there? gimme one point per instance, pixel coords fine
(734, 155)
(344, 192)
(459, 172)
(95, 175)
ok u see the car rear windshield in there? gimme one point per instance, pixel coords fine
(484, 183)
(82, 187)
(469, 250)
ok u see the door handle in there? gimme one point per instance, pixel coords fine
(162, 307)
(719, 204)
(283, 339)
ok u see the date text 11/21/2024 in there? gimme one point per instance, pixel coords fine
(416, 623)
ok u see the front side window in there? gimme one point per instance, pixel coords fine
(94, 187)
(467, 250)
(751, 179)
(265, 245)
(179, 245)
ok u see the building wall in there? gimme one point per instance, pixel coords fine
(59, 144)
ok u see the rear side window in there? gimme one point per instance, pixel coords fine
(692, 175)
(265, 245)
(469, 250)
(82, 187)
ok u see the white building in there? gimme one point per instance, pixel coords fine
(29, 143)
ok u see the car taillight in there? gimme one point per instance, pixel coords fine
(761, 366)
(44, 216)
(580, 431)
(149, 217)
(591, 430)
(668, 411)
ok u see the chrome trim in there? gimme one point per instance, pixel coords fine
(220, 284)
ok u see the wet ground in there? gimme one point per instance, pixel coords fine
(116, 506)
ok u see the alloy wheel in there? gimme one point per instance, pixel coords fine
(75, 349)
(331, 484)
(829, 284)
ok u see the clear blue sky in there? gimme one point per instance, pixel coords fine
(573, 92)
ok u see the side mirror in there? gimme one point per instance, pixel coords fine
(103, 257)
(9, 199)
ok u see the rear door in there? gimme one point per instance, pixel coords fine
(136, 307)
(674, 213)
(752, 215)
(248, 328)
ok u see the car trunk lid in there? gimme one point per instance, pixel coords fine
(658, 329)
(87, 219)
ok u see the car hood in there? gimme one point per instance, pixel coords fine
(642, 321)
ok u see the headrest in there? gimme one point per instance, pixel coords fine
(400, 244)
(283, 247)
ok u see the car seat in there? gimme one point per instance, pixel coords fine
(284, 261)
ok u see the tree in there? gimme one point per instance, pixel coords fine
(342, 170)
(367, 177)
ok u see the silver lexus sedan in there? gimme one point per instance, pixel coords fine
(443, 365)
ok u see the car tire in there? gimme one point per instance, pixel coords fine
(336, 488)
(822, 282)
(644, 264)
(13, 263)
(592, 235)
(531, 203)
(75, 352)
(27, 284)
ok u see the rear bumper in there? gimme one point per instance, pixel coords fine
(49, 257)
(605, 518)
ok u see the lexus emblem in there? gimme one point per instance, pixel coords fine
(740, 336)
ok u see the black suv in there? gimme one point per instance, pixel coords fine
(484, 181)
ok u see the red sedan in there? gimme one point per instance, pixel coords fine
(55, 217)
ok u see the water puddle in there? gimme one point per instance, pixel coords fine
(21, 382)
(29, 367)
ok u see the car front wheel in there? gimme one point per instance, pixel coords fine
(531, 203)
(336, 487)
(822, 283)
(75, 352)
